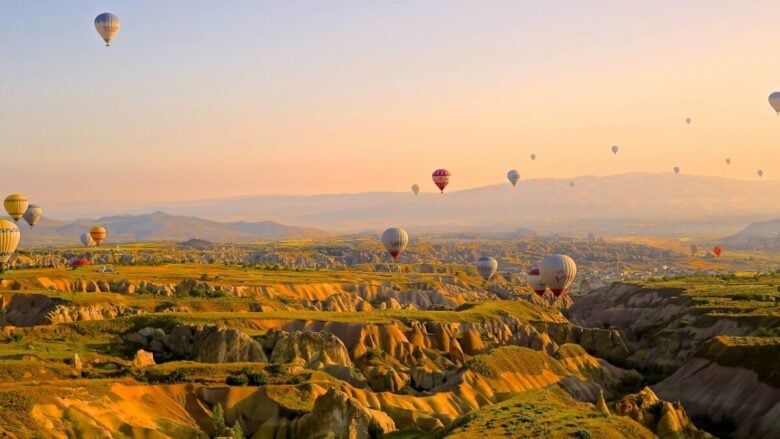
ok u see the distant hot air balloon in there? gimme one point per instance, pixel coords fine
(533, 156)
(441, 178)
(535, 281)
(416, 188)
(774, 101)
(107, 25)
(558, 272)
(15, 205)
(395, 241)
(688, 120)
(87, 240)
(9, 240)
(98, 234)
(717, 250)
(615, 149)
(694, 249)
(487, 266)
(513, 176)
(728, 161)
(676, 169)
(760, 173)
(571, 184)
(79, 262)
(33, 214)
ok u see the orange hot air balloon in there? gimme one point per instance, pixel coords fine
(441, 178)
(717, 250)
(98, 234)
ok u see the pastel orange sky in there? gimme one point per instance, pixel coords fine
(198, 100)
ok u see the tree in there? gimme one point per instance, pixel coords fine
(237, 432)
(218, 421)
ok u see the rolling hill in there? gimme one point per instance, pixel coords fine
(760, 235)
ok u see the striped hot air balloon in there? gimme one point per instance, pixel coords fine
(487, 266)
(558, 272)
(15, 205)
(395, 241)
(98, 234)
(441, 178)
(9, 240)
(107, 25)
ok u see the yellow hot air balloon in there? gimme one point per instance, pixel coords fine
(107, 25)
(9, 240)
(98, 234)
(16, 205)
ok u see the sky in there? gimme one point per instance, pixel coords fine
(202, 99)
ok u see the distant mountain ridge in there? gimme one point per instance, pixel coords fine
(760, 235)
(160, 226)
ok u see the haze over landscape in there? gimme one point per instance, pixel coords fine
(388, 220)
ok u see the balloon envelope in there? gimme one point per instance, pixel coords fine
(33, 214)
(441, 178)
(79, 262)
(760, 173)
(107, 25)
(533, 156)
(534, 278)
(416, 189)
(9, 240)
(558, 272)
(395, 241)
(615, 149)
(487, 266)
(694, 249)
(676, 169)
(513, 176)
(728, 161)
(717, 250)
(98, 234)
(87, 240)
(688, 120)
(774, 101)
(15, 205)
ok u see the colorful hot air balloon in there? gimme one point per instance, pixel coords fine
(416, 188)
(441, 178)
(760, 173)
(534, 278)
(717, 250)
(395, 241)
(513, 176)
(79, 262)
(107, 25)
(15, 205)
(87, 240)
(33, 214)
(615, 149)
(558, 272)
(533, 157)
(9, 240)
(774, 101)
(98, 234)
(676, 169)
(688, 120)
(728, 161)
(694, 249)
(487, 266)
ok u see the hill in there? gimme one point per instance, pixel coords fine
(761, 235)
(159, 226)
(619, 204)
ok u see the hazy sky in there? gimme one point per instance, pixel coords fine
(203, 98)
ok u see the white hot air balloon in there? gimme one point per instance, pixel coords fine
(534, 279)
(395, 241)
(760, 173)
(676, 169)
(487, 266)
(513, 176)
(774, 101)
(87, 240)
(9, 240)
(416, 188)
(615, 149)
(33, 214)
(558, 272)
(107, 25)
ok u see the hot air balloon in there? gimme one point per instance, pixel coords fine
(760, 173)
(688, 120)
(571, 184)
(98, 234)
(79, 262)
(15, 205)
(416, 188)
(395, 240)
(728, 161)
(9, 240)
(107, 25)
(717, 250)
(513, 176)
(774, 101)
(694, 249)
(535, 281)
(558, 272)
(441, 178)
(33, 214)
(676, 169)
(533, 156)
(87, 240)
(615, 149)
(487, 266)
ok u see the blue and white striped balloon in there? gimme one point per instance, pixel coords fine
(107, 26)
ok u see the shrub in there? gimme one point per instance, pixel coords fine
(237, 380)
(375, 431)
(582, 434)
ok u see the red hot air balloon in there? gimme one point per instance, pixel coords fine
(79, 262)
(717, 250)
(441, 178)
